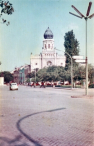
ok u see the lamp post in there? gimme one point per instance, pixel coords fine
(71, 67)
(86, 18)
(71, 70)
(35, 77)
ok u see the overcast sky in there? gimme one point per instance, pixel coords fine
(29, 22)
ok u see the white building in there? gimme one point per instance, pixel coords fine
(48, 57)
(1, 80)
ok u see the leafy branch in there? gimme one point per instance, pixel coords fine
(6, 8)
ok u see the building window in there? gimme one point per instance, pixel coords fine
(52, 46)
(49, 63)
(61, 63)
(45, 46)
(48, 45)
(36, 64)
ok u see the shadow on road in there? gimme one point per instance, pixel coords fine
(15, 142)
(12, 142)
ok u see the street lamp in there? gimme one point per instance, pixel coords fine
(35, 77)
(71, 67)
(85, 17)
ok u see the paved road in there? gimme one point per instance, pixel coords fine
(46, 117)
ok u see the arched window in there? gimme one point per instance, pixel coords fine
(49, 63)
(52, 46)
(48, 45)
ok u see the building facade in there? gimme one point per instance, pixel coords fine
(48, 56)
(20, 74)
(23, 72)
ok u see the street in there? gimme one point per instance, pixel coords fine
(46, 117)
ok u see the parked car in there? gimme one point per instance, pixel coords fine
(49, 84)
(42, 84)
(91, 85)
(13, 86)
(35, 84)
(66, 82)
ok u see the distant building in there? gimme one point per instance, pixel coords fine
(20, 73)
(23, 71)
(16, 75)
(48, 57)
(1, 80)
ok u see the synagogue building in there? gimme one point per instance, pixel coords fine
(48, 56)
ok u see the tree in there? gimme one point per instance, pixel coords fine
(71, 46)
(31, 75)
(52, 73)
(7, 76)
(28, 80)
(91, 73)
(6, 8)
(79, 73)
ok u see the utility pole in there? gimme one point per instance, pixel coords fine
(35, 77)
(86, 18)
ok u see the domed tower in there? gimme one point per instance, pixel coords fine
(48, 42)
(48, 34)
(48, 56)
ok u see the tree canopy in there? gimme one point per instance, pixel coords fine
(71, 46)
(59, 73)
(7, 76)
(52, 73)
(6, 8)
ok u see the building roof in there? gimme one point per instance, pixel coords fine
(48, 34)
(20, 68)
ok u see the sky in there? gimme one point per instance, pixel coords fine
(28, 23)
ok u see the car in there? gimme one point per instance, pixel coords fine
(42, 84)
(91, 85)
(35, 84)
(13, 86)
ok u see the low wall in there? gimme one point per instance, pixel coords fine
(1, 80)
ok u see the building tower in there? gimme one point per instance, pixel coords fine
(48, 50)
(48, 56)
